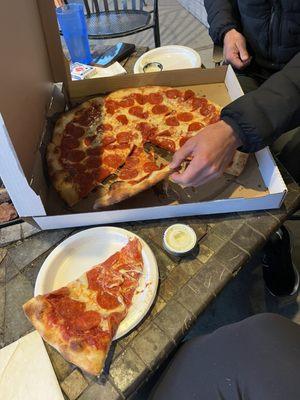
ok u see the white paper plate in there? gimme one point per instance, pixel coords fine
(85, 249)
(171, 57)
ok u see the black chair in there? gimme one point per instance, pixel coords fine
(107, 19)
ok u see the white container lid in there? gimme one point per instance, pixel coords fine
(179, 239)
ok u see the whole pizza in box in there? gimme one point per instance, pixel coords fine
(111, 144)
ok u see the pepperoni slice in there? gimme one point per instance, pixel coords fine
(111, 106)
(199, 102)
(140, 98)
(57, 294)
(95, 151)
(123, 119)
(68, 308)
(188, 94)
(155, 98)
(164, 133)
(102, 173)
(185, 116)
(207, 109)
(69, 142)
(113, 160)
(195, 126)
(88, 320)
(75, 155)
(135, 110)
(104, 127)
(107, 301)
(129, 102)
(166, 144)
(74, 130)
(214, 119)
(127, 173)
(183, 140)
(92, 162)
(125, 137)
(106, 140)
(160, 109)
(173, 93)
(150, 167)
(89, 140)
(172, 121)
(85, 182)
(86, 117)
(143, 126)
(132, 161)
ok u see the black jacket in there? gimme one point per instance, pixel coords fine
(272, 30)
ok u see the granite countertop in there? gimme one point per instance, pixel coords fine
(187, 285)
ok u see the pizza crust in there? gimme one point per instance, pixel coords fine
(85, 357)
(121, 190)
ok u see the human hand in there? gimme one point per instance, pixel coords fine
(212, 150)
(235, 50)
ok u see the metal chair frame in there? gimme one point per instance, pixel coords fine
(123, 9)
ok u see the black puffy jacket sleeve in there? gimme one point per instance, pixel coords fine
(261, 116)
(221, 17)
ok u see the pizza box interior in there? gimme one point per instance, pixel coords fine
(31, 98)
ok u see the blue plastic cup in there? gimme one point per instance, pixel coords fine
(73, 25)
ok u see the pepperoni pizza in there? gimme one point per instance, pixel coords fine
(105, 138)
(81, 319)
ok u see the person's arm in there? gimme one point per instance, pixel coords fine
(261, 116)
(221, 18)
(249, 124)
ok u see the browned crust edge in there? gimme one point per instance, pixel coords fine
(88, 359)
(120, 190)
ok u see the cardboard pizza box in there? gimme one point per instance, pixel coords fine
(35, 87)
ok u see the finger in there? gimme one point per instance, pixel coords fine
(187, 176)
(204, 179)
(180, 156)
(235, 61)
(244, 55)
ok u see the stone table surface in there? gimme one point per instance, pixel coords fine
(186, 287)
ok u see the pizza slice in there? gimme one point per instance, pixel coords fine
(141, 171)
(81, 319)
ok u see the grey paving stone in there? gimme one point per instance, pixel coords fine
(10, 234)
(174, 320)
(96, 391)
(263, 222)
(18, 291)
(31, 270)
(28, 230)
(212, 241)
(248, 239)
(2, 308)
(164, 262)
(213, 276)
(10, 268)
(232, 257)
(3, 253)
(117, 350)
(167, 289)
(226, 228)
(191, 267)
(205, 253)
(279, 213)
(61, 367)
(128, 371)
(179, 275)
(191, 300)
(27, 251)
(292, 201)
(152, 346)
(204, 295)
(74, 385)
(159, 304)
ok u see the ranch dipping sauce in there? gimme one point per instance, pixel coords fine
(179, 239)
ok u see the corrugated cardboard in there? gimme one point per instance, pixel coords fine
(23, 140)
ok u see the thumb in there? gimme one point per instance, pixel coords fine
(180, 156)
(244, 55)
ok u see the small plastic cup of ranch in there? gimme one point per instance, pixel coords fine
(179, 239)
